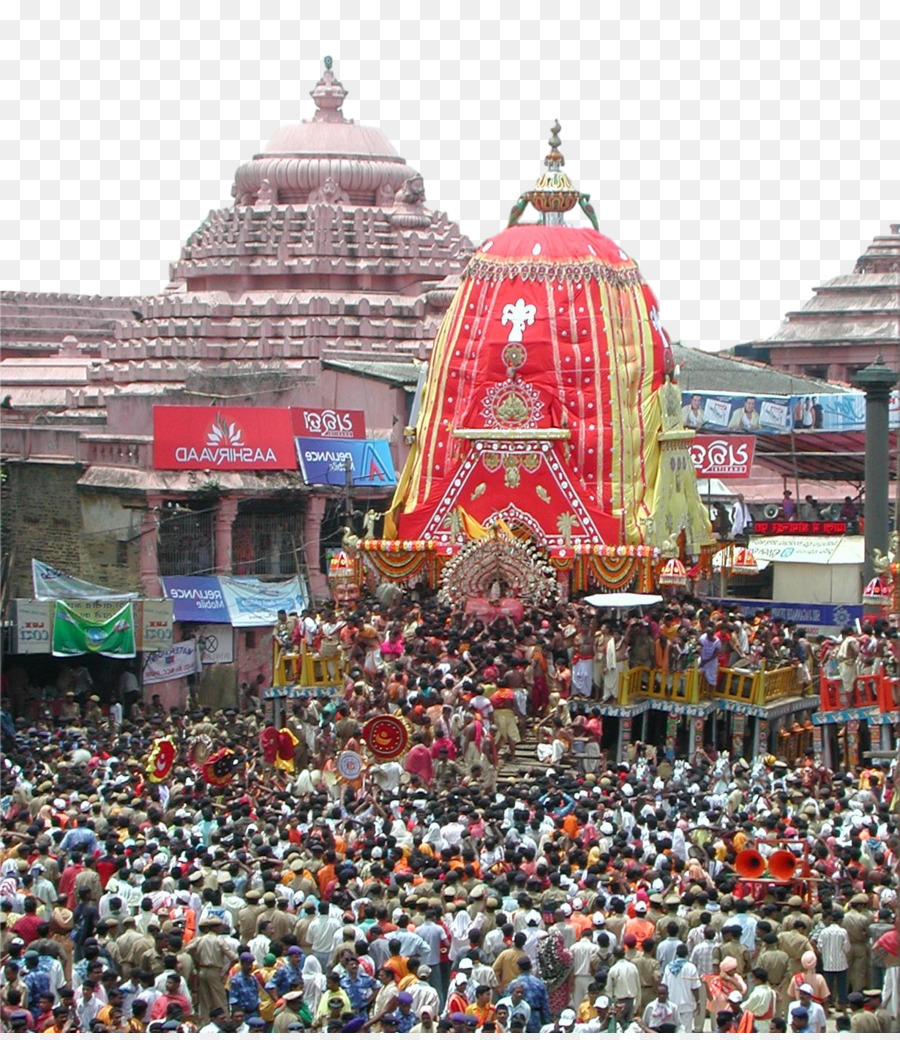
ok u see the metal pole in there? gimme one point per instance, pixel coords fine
(877, 381)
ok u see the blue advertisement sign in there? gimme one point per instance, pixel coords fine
(710, 412)
(325, 462)
(197, 599)
(735, 413)
(835, 413)
(816, 618)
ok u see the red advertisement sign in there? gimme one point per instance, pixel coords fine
(332, 423)
(222, 438)
(725, 456)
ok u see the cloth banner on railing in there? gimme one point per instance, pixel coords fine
(176, 663)
(50, 583)
(74, 634)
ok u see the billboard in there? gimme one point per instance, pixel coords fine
(326, 462)
(335, 423)
(735, 413)
(217, 439)
(722, 456)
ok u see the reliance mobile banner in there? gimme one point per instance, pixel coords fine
(222, 438)
(725, 456)
(325, 462)
(197, 599)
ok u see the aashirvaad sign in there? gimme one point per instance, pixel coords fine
(725, 456)
(216, 439)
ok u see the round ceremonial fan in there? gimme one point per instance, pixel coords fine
(201, 749)
(221, 766)
(349, 765)
(386, 736)
(160, 760)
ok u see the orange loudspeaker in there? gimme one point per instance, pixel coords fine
(782, 865)
(750, 864)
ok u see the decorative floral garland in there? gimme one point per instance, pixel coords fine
(611, 574)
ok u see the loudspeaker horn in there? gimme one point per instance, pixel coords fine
(749, 864)
(782, 865)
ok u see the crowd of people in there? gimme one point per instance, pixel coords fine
(454, 889)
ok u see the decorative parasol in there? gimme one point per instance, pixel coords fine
(878, 593)
(622, 600)
(201, 749)
(673, 573)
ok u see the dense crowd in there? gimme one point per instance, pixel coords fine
(452, 890)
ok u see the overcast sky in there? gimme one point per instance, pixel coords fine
(740, 162)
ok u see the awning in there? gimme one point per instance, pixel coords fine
(820, 456)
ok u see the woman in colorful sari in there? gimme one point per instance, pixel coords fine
(556, 971)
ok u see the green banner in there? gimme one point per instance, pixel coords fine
(74, 634)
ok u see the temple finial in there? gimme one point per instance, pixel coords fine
(554, 160)
(328, 95)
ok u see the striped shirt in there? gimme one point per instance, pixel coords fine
(702, 957)
(834, 944)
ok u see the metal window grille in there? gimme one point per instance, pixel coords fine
(263, 544)
(187, 543)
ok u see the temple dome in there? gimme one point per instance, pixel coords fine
(326, 159)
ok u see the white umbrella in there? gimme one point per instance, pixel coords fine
(622, 599)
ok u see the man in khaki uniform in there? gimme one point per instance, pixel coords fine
(731, 946)
(289, 1013)
(662, 925)
(796, 913)
(89, 878)
(304, 920)
(213, 957)
(856, 921)
(862, 1020)
(649, 971)
(248, 916)
(776, 962)
(795, 943)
